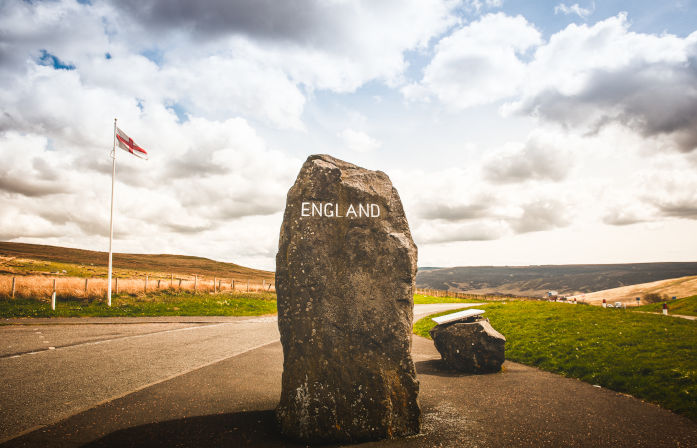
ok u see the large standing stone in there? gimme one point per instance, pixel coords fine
(473, 347)
(345, 280)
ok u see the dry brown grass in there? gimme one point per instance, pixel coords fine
(679, 287)
(41, 286)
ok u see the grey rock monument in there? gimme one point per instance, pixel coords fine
(345, 273)
(472, 347)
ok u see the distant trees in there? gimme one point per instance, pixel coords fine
(653, 297)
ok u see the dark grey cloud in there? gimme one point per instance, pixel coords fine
(678, 208)
(652, 98)
(478, 231)
(540, 215)
(452, 212)
(535, 161)
(621, 217)
(31, 187)
(59, 217)
(258, 206)
(194, 164)
(188, 229)
(292, 20)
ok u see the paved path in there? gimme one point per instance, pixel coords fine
(54, 368)
(681, 316)
(231, 403)
(217, 383)
(93, 363)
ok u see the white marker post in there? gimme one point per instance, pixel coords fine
(665, 309)
(53, 296)
(111, 218)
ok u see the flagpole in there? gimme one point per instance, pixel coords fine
(111, 220)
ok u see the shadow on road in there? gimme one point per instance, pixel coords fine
(256, 428)
(437, 367)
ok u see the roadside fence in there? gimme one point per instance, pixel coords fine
(43, 286)
(465, 295)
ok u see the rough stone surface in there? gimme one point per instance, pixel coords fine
(472, 347)
(345, 305)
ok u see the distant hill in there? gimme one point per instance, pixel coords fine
(537, 280)
(177, 264)
(673, 287)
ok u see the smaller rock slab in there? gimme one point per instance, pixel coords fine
(471, 347)
(466, 315)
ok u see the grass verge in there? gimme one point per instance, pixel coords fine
(686, 306)
(651, 357)
(421, 299)
(154, 304)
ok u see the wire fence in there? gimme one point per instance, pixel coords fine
(42, 286)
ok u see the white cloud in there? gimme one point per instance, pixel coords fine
(479, 63)
(358, 141)
(543, 157)
(586, 77)
(316, 45)
(574, 9)
(229, 97)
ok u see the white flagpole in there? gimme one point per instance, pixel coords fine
(111, 220)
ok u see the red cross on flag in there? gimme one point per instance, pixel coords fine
(126, 143)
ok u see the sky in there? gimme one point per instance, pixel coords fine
(516, 132)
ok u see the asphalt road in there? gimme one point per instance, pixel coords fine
(93, 363)
(54, 368)
(202, 382)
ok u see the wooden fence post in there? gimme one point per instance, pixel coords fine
(247, 285)
(219, 283)
(171, 281)
(232, 284)
(195, 282)
(13, 287)
(180, 283)
(145, 289)
(215, 279)
(53, 296)
(86, 287)
(158, 283)
(117, 285)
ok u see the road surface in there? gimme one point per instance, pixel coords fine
(54, 368)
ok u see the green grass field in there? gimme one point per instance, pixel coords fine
(652, 357)
(686, 306)
(154, 304)
(163, 303)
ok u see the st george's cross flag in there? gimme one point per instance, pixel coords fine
(127, 144)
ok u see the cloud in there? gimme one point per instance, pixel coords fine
(452, 211)
(358, 141)
(477, 64)
(574, 9)
(673, 193)
(587, 77)
(437, 233)
(539, 159)
(30, 169)
(315, 42)
(623, 217)
(541, 215)
(583, 78)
